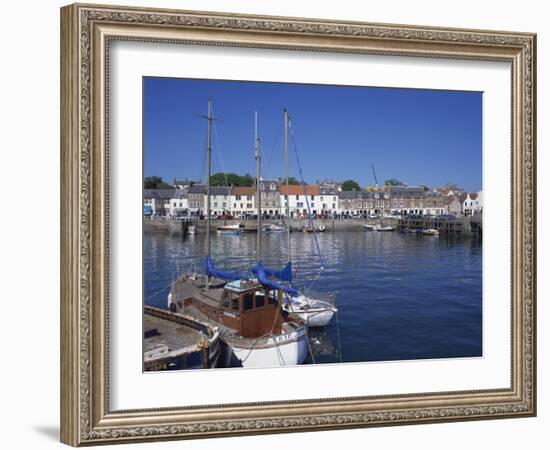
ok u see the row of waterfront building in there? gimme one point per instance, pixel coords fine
(325, 199)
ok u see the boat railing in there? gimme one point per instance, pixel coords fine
(329, 297)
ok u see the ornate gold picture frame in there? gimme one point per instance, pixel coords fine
(87, 32)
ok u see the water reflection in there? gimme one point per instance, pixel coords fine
(400, 296)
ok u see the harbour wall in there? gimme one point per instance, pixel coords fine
(466, 226)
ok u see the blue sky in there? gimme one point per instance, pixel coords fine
(417, 136)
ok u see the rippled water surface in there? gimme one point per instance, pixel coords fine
(399, 296)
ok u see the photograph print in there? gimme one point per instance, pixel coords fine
(298, 224)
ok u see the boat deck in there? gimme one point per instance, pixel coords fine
(159, 332)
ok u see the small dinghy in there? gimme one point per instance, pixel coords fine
(175, 341)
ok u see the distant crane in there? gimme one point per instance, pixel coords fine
(374, 173)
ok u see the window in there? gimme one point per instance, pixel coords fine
(312, 198)
(334, 206)
(230, 301)
(237, 197)
(272, 298)
(181, 205)
(259, 300)
(297, 197)
(248, 301)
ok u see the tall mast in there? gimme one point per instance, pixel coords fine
(209, 160)
(258, 191)
(286, 193)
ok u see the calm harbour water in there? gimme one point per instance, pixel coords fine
(400, 296)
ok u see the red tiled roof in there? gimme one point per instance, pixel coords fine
(243, 190)
(299, 190)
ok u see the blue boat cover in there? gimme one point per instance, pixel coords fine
(211, 271)
(285, 274)
(260, 272)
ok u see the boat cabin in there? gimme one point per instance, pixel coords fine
(242, 307)
(251, 309)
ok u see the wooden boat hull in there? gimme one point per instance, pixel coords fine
(175, 341)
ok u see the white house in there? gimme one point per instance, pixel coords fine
(158, 200)
(473, 204)
(327, 203)
(220, 200)
(243, 201)
(298, 198)
(179, 203)
(480, 201)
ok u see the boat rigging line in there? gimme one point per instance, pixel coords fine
(219, 146)
(318, 248)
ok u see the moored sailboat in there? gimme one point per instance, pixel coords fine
(235, 228)
(313, 311)
(274, 228)
(248, 311)
(382, 227)
(313, 229)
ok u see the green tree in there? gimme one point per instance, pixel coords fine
(350, 185)
(292, 180)
(218, 179)
(393, 182)
(246, 180)
(453, 187)
(155, 182)
(231, 179)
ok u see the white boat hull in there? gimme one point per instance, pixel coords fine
(314, 318)
(384, 229)
(312, 312)
(235, 232)
(285, 351)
